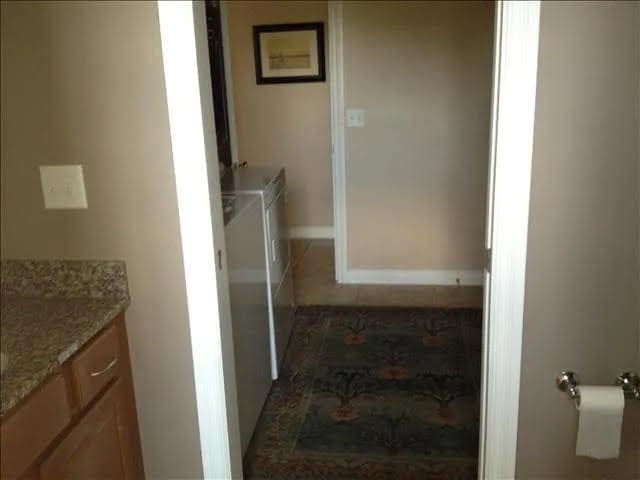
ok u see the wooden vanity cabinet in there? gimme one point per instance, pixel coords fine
(96, 446)
(33, 426)
(100, 438)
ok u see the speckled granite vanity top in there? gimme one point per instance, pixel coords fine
(49, 310)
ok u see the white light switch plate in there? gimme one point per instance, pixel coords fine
(355, 117)
(63, 186)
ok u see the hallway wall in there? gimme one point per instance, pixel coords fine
(582, 283)
(286, 124)
(416, 173)
(82, 82)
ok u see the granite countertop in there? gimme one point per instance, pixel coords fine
(48, 311)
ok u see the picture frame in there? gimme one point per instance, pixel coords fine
(289, 53)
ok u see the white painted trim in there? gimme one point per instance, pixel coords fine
(228, 78)
(514, 97)
(497, 37)
(336, 88)
(311, 232)
(414, 277)
(190, 108)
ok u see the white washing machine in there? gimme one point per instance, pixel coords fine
(246, 262)
(269, 184)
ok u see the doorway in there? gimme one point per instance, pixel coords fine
(418, 280)
(510, 295)
(218, 81)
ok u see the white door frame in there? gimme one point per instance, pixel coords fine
(187, 75)
(511, 146)
(511, 152)
(187, 79)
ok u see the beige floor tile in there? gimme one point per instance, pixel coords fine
(314, 283)
(322, 242)
(318, 257)
(328, 295)
(298, 248)
(314, 278)
(463, 296)
(397, 295)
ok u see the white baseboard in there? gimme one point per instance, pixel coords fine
(311, 232)
(414, 277)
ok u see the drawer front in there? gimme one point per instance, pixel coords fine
(32, 427)
(97, 365)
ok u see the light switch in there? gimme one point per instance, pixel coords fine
(63, 186)
(355, 117)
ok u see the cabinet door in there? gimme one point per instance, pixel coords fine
(97, 447)
(33, 426)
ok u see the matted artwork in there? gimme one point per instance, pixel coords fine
(289, 53)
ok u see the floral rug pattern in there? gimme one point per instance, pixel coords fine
(373, 393)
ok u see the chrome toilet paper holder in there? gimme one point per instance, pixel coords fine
(630, 383)
(568, 381)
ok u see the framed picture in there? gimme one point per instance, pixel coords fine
(289, 53)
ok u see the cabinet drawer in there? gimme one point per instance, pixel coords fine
(97, 365)
(33, 426)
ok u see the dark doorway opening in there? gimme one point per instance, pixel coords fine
(218, 84)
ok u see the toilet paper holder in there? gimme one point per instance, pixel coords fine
(568, 381)
(630, 383)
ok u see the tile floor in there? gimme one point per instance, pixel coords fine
(314, 280)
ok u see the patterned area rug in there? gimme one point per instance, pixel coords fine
(373, 393)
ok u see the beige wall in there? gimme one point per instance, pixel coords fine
(84, 84)
(287, 124)
(417, 171)
(581, 305)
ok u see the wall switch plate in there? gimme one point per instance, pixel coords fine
(355, 117)
(63, 187)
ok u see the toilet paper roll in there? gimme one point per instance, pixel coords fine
(600, 423)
